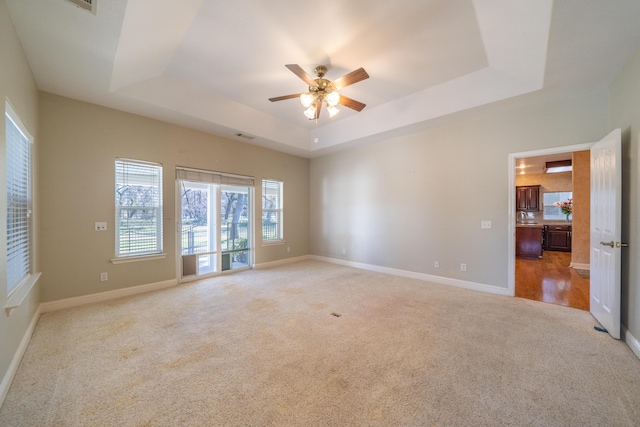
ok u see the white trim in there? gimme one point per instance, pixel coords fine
(46, 307)
(270, 264)
(17, 356)
(230, 175)
(631, 341)
(481, 287)
(126, 260)
(9, 110)
(511, 229)
(20, 293)
(580, 266)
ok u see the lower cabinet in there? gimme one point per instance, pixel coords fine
(529, 242)
(557, 238)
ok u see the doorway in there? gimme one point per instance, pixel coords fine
(215, 224)
(550, 277)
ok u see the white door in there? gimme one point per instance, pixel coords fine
(606, 218)
(198, 238)
(214, 228)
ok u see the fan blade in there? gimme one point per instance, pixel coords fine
(298, 71)
(350, 78)
(282, 98)
(351, 103)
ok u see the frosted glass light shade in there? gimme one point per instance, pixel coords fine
(333, 98)
(306, 99)
(332, 110)
(310, 112)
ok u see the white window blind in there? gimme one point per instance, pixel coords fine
(18, 201)
(211, 177)
(138, 208)
(271, 210)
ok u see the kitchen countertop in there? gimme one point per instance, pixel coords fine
(541, 224)
(530, 225)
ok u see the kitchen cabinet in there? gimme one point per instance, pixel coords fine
(529, 241)
(528, 198)
(557, 238)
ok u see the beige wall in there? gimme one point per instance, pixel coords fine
(624, 113)
(406, 202)
(16, 85)
(547, 181)
(580, 250)
(80, 143)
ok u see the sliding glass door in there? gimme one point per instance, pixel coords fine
(215, 232)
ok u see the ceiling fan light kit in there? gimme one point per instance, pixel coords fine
(323, 91)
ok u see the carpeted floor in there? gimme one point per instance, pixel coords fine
(315, 344)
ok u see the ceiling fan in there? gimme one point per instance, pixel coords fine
(322, 90)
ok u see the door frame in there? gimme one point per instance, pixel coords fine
(511, 236)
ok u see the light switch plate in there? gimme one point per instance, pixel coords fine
(101, 226)
(485, 223)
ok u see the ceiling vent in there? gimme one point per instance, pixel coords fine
(245, 136)
(88, 5)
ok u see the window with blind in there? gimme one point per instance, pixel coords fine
(19, 231)
(271, 211)
(138, 208)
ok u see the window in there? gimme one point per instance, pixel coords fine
(271, 211)
(18, 200)
(138, 208)
(550, 210)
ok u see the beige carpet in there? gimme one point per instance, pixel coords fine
(262, 348)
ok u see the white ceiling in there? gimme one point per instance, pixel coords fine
(212, 65)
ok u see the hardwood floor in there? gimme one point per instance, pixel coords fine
(551, 280)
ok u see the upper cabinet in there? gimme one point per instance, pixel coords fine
(528, 198)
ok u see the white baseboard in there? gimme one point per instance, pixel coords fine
(17, 357)
(631, 341)
(46, 307)
(280, 262)
(580, 266)
(420, 276)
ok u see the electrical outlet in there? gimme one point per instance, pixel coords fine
(436, 264)
(344, 251)
(288, 249)
(463, 267)
(104, 277)
(101, 226)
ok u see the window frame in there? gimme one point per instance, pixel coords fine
(131, 254)
(277, 210)
(554, 217)
(26, 278)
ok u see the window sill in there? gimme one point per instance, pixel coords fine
(273, 242)
(126, 260)
(20, 293)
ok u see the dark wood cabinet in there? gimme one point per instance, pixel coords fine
(557, 238)
(528, 198)
(529, 241)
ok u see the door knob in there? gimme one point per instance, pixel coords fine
(612, 244)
